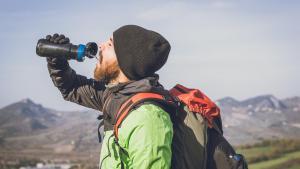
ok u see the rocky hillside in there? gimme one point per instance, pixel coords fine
(25, 117)
(25, 124)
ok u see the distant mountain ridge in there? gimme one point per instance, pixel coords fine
(263, 100)
(259, 118)
(25, 124)
(24, 117)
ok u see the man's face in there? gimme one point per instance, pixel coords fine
(107, 67)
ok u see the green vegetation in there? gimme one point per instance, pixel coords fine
(272, 154)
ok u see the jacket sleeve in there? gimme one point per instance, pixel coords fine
(73, 87)
(147, 134)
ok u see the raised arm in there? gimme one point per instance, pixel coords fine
(73, 87)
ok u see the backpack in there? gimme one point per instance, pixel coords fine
(198, 141)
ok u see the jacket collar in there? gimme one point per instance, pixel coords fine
(147, 84)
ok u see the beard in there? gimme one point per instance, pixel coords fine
(107, 73)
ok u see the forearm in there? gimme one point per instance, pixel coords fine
(61, 74)
(73, 87)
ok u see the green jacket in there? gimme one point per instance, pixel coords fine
(145, 136)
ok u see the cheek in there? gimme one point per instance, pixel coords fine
(110, 54)
(108, 57)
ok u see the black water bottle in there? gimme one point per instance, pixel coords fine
(45, 48)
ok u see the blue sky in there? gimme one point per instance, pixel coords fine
(238, 48)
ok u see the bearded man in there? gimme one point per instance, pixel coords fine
(127, 65)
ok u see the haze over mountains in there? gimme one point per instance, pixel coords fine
(27, 125)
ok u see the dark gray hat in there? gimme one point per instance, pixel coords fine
(140, 52)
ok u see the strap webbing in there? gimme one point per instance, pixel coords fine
(127, 106)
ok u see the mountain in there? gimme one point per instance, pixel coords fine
(24, 117)
(228, 101)
(293, 109)
(26, 126)
(261, 117)
(265, 101)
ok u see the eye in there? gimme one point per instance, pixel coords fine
(110, 42)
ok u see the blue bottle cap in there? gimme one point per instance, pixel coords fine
(80, 52)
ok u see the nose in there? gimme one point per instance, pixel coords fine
(101, 46)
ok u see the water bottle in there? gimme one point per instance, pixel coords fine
(45, 48)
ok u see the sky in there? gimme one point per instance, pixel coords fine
(236, 48)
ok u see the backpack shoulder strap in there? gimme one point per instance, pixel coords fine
(130, 103)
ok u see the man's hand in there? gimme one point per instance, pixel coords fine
(58, 39)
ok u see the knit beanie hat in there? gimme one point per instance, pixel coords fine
(140, 52)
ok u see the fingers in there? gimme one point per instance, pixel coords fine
(59, 39)
(64, 41)
(48, 37)
(53, 37)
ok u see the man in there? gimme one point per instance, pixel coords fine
(127, 64)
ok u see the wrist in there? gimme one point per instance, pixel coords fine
(61, 62)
